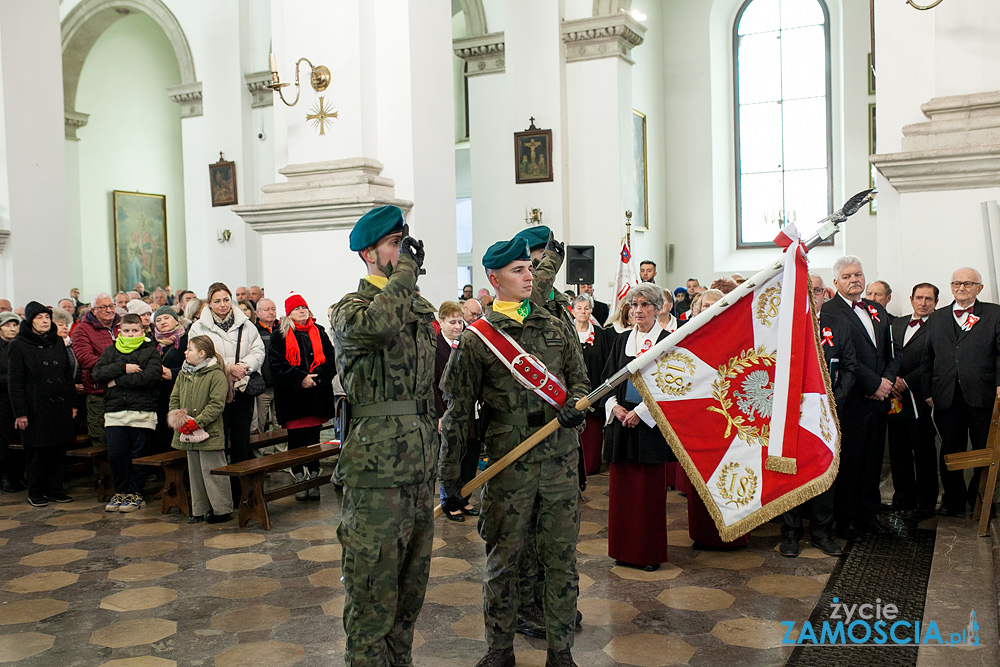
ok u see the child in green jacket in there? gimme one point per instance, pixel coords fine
(196, 403)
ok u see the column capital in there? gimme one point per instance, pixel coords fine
(957, 148)
(74, 121)
(482, 55)
(188, 96)
(611, 36)
(262, 97)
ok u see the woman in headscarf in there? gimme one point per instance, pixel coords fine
(302, 369)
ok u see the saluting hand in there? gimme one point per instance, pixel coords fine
(413, 248)
(557, 247)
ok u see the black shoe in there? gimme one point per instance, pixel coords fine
(59, 497)
(849, 532)
(497, 657)
(944, 510)
(212, 517)
(38, 502)
(531, 622)
(6, 486)
(456, 516)
(826, 545)
(562, 658)
(194, 518)
(579, 618)
(470, 511)
(789, 547)
(877, 527)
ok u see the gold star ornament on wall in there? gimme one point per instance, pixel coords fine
(321, 114)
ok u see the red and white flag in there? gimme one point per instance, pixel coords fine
(743, 399)
(625, 277)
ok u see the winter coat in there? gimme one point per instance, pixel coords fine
(40, 382)
(172, 358)
(291, 401)
(203, 395)
(251, 346)
(136, 392)
(8, 434)
(89, 340)
(265, 337)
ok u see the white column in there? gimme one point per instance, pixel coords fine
(33, 153)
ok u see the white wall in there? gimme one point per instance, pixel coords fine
(132, 141)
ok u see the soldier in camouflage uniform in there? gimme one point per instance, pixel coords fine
(385, 343)
(545, 477)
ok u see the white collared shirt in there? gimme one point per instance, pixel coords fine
(635, 342)
(908, 334)
(965, 316)
(861, 314)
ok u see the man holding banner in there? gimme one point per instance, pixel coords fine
(527, 366)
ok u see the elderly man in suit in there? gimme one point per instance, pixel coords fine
(863, 415)
(912, 451)
(961, 369)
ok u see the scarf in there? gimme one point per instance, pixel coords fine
(191, 369)
(292, 353)
(515, 310)
(129, 345)
(168, 339)
(377, 281)
(227, 323)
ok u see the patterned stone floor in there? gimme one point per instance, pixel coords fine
(81, 587)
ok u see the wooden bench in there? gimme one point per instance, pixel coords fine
(98, 457)
(176, 485)
(982, 458)
(252, 473)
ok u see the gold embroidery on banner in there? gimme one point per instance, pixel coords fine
(824, 421)
(758, 392)
(670, 370)
(767, 305)
(741, 488)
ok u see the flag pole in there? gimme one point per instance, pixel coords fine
(830, 227)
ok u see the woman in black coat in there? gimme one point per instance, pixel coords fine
(11, 461)
(596, 344)
(171, 342)
(40, 382)
(302, 369)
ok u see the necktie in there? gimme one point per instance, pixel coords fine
(963, 311)
(915, 323)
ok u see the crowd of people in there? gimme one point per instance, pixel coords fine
(141, 372)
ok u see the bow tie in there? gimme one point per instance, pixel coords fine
(963, 311)
(858, 304)
(915, 323)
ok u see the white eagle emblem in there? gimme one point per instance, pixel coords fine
(757, 395)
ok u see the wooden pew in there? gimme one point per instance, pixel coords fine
(982, 458)
(252, 473)
(98, 457)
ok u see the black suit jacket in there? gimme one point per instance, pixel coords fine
(838, 350)
(601, 312)
(969, 358)
(875, 360)
(910, 369)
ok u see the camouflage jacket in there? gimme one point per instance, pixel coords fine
(474, 372)
(544, 292)
(385, 344)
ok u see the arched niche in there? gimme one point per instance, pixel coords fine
(84, 25)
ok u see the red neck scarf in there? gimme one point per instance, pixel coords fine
(292, 353)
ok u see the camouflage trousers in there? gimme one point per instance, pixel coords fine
(505, 520)
(387, 536)
(530, 575)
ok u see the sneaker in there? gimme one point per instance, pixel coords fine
(59, 497)
(301, 477)
(133, 502)
(116, 502)
(38, 502)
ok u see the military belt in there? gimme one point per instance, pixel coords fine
(390, 409)
(532, 420)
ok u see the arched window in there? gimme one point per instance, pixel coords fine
(781, 51)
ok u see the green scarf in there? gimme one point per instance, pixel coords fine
(129, 345)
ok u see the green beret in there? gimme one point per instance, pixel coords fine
(374, 225)
(502, 253)
(536, 237)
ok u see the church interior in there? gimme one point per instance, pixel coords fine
(698, 129)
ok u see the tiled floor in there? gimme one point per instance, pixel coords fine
(79, 586)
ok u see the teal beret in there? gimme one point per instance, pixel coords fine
(502, 253)
(536, 237)
(374, 225)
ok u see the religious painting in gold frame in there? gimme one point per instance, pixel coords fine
(140, 224)
(222, 177)
(533, 155)
(640, 218)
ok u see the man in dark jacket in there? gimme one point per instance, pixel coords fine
(267, 322)
(92, 334)
(132, 370)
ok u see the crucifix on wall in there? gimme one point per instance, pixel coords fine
(533, 155)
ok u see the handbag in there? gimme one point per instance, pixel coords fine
(255, 386)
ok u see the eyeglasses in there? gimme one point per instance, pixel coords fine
(967, 284)
(818, 290)
(103, 308)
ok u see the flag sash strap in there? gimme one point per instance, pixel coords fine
(526, 368)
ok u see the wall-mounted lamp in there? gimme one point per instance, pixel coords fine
(319, 78)
(533, 216)
(225, 235)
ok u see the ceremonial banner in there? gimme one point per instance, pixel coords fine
(745, 401)
(625, 277)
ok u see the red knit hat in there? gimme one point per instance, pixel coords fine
(293, 301)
